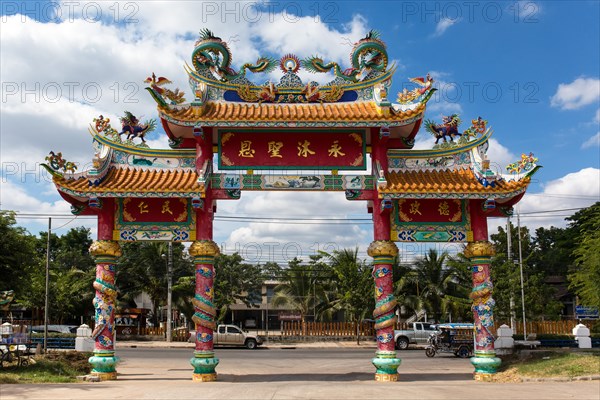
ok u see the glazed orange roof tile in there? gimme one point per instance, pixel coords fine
(446, 182)
(350, 111)
(129, 180)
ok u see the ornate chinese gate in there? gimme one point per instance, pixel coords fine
(439, 195)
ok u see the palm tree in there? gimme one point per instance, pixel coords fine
(438, 284)
(353, 283)
(143, 269)
(300, 289)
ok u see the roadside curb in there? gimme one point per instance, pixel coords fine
(285, 346)
(563, 379)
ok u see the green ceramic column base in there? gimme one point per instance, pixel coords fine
(104, 365)
(387, 366)
(486, 364)
(204, 364)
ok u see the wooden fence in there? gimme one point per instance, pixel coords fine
(332, 329)
(564, 327)
(179, 334)
(366, 329)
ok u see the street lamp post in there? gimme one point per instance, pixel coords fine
(521, 270)
(47, 292)
(169, 291)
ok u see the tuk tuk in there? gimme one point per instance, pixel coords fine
(451, 338)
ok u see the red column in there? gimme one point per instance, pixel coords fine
(105, 252)
(204, 251)
(383, 252)
(479, 252)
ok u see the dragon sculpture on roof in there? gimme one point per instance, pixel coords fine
(213, 53)
(367, 53)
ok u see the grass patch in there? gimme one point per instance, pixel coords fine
(550, 364)
(54, 367)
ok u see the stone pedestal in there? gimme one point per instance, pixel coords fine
(582, 336)
(84, 341)
(504, 343)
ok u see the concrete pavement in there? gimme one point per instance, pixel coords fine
(301, 373)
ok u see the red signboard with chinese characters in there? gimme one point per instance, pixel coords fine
(152, 218)
(430, 210)
(344, 150)
(154, 210)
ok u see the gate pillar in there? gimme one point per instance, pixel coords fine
(105, 253)
(383, 253)
(204, 361)
(485, 361)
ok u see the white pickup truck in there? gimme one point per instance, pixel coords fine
(417, 333)
(231, 335)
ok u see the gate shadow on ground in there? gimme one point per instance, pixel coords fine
(349, 377)
(429, 377)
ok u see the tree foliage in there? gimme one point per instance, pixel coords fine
(235, 281)
(353, 283)
(143, 268)
(585, 276)
(505, 272)
(437, 284)
(302, 288)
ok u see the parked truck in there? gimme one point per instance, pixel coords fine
(417, 333)
(231, 335)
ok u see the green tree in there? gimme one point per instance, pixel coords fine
(142, 268)
(585, 276)
(235, 281)
(18, 256)
(506, 277)
(71, 273)
(438, 284)
(460, 287)
(353, 283)
(405, 290)
(300, 288)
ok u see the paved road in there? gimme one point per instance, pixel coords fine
(295, 374)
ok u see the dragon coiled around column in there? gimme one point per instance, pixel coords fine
(369, 52)
(205, 312)
(103, 305)
(384, 312)
(212, 53)
(483, 306)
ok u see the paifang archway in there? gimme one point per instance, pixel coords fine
(439, 195)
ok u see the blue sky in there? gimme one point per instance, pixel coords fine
(532, 69)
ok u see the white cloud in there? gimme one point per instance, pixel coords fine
(597, 116)
(443, 101)
(594, 141)
(283, 240)
(499, 156)
(442, 107)
(577, 189)
(443, 25)
(16, 198)
(579, 93)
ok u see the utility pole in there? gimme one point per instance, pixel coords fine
(169, 291)
(521, 268)
(47, 286)
(510, 260)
